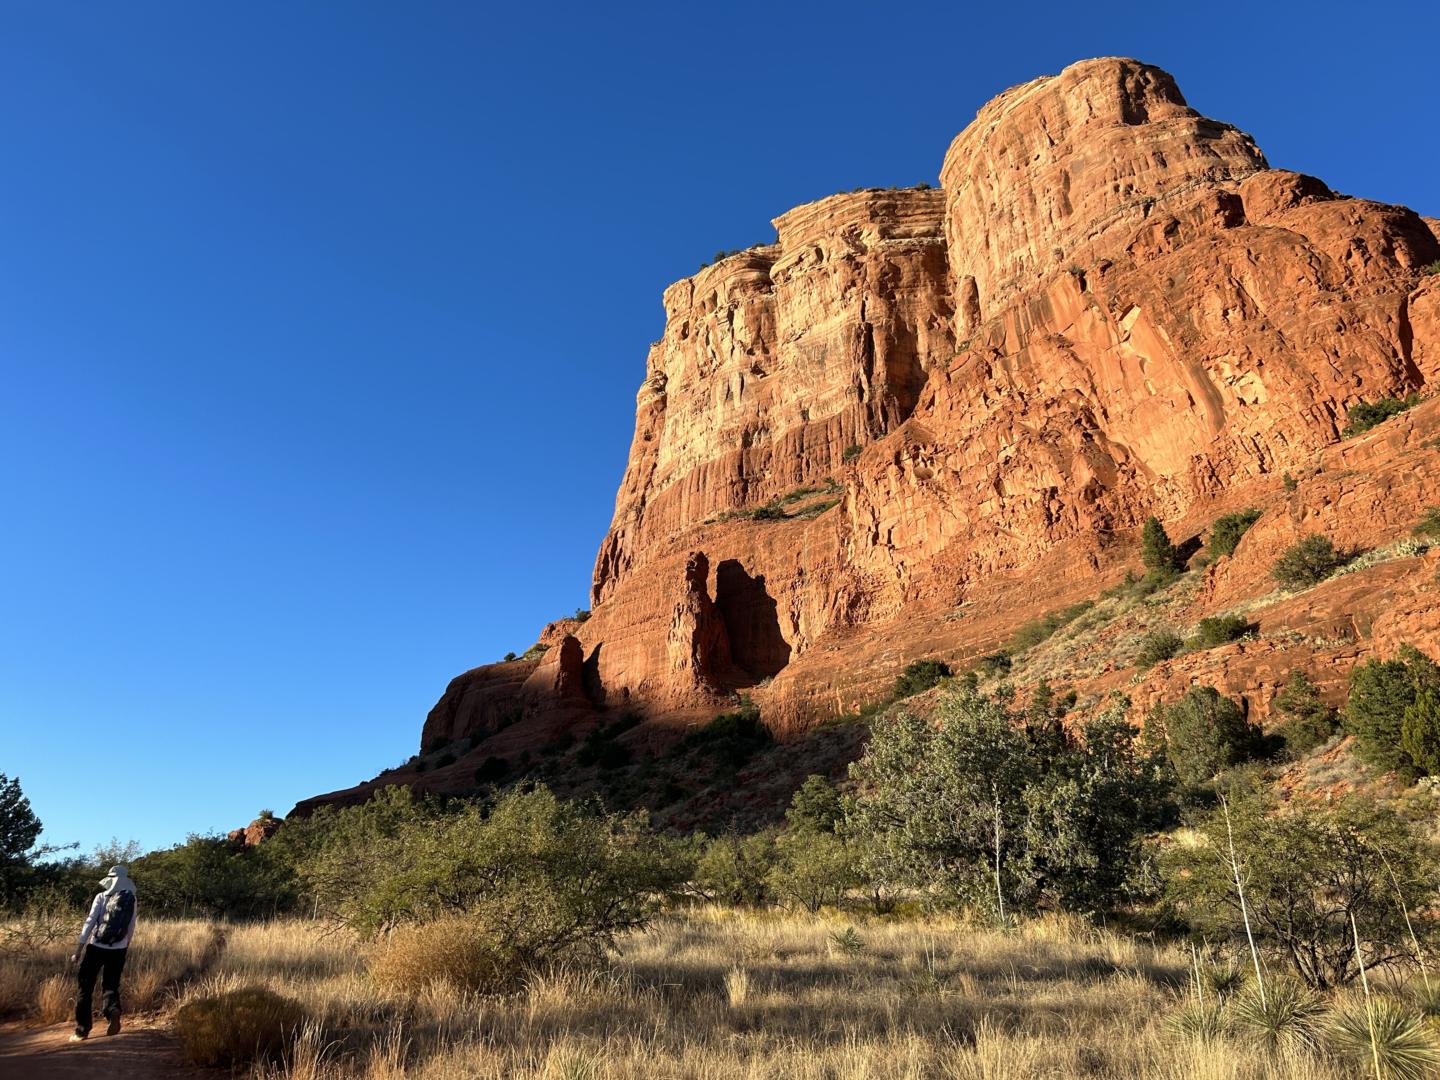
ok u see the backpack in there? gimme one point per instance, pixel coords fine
(115, 920)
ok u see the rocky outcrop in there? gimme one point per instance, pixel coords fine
(922, 416)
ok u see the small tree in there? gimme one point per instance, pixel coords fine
(1157, 553)
(1382, 692)
(1306, 872)
(815, 806)
(1205, 732)
(733, 870)
(920, 675)
(1420, 731)
(1306, 721)
(812, 869)
(1308, 562)
(1158, 645)
(1225, 534)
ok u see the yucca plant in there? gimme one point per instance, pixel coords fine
(1425, 996)
(1204, 1023)
(1287, 1014)
(1224, 981)
(1384, 1037)
(847, 942)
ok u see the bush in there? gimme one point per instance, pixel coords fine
(1157, 553)
(733, 870)
(1307, 871)
(815, 806)
(1428, 527)
(1158, 645)
(568, 876)
(851, 452)
(733, 737)
(1219, 630)
(238, 1026)
(1307, 563)
(995, 664)
(1420, 731)
(1042, 629)
(463, 951)
(1205, 732)
(509, 656)
(1306, 721)
(1225, 534)
(969, 810)
(1290, 482)
(919, 676)
(1383, 693)
(1367, 415)
(812, 869)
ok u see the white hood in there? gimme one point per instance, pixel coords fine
(117, 881)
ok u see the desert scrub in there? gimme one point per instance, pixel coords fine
(1367, 415)
(1156, 646)
(1219, 630)
(239, 1026)
(1308, 562)
(1226, 532)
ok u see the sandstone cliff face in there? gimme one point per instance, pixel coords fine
(1113, 307)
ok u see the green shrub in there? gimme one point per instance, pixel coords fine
(509, 656)
(238, 1026)
(1042, 629)
(919, 676)
(812, 869)
(733, 737)
(968, 809)
(1306, 721)
(1205, 732)
(1226, 532)
(733, 870)
(1420, 731)
(851, 452)
(577, 875)
(1158, 645)
(582, 614)
(1428, 527)
(1367, 415)
(815, 806)
(1308, 562)
(1157, 553)
(998, 663)
(1307, 871)
(1382, 694)
(1290, 482)
(771, 511)
(1220, 630)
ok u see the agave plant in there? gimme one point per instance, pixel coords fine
(1286, 1014)
(1386, 1037)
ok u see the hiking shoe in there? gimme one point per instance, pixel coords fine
(113, 1028)
(79, 1036)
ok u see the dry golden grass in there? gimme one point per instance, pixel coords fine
(723, 995)
(36, 981)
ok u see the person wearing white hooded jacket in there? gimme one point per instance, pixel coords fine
(104, 942)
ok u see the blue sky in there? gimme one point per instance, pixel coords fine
(321, 324)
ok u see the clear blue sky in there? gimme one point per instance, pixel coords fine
(321, 324)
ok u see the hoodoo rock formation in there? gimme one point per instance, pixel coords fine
(922, 416)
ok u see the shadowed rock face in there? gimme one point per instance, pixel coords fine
(1112, 307)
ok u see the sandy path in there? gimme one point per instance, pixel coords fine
(141, 1052)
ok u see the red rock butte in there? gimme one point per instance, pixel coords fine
(953, 408)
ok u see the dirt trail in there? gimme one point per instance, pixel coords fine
(140, 1052)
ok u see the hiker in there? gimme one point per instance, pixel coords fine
(104, 940)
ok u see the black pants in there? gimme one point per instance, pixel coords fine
(107, 963)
